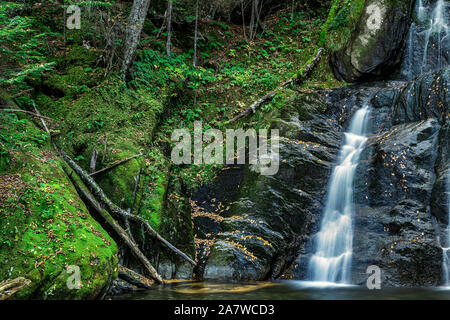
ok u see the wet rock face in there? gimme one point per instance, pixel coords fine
(271, 216)
(394, 227)
(426, 48)
(424, 98)
(440, 197)
(376, 45)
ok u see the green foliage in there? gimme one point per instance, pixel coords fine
(154, 69)
(20, 46)
(15, 136)
(341, 22)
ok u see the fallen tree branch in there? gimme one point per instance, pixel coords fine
(42, 120)
(22, 93)
(302, 75)
(116, 210)
(115, 164)
(134, 278)
(9, 287)
(27, 112)
(85, 194)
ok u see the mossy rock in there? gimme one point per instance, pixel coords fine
(77, 80)
(44, 225)
(375, 47)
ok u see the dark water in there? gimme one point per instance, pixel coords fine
(280, 290)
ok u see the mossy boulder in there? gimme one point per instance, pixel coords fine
(119, 123)
(162, 202)
(44, 225)
(376, 45)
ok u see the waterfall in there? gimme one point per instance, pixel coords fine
(446, 250)
(421, 11)
(334, 243)
(428, 42)
(439, 28)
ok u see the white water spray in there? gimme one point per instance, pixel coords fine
(439, 29)
(421, 11)
(331, 261)
(428, 41)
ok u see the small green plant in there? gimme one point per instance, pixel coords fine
(78, 158)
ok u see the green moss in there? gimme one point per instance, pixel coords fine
(155, 182)
(45, 227)
(76, 81)
(77, 55)
(119, 183)
(342, 20)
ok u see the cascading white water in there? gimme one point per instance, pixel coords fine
(421, 11)
(334, 243)
(438, 27)
(428, 41)
(446, 250)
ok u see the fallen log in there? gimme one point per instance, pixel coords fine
(114, 209)
(134, 278)
(10, 287)
(302, 75)
(115, 164)
(87, 196)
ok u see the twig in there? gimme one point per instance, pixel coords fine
(42, 120)
(28, 112)
(115, 164)
(22, 93)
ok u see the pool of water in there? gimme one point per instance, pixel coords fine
(281, 290)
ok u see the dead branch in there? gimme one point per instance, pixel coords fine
(87, 196)
(114, 209)
(97, 192)
(268, 97)
(10, 287)
(134, 278)
(42, 120)
(27, 112)
(115, 164)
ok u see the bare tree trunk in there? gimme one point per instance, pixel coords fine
(9, 287)
(252, 19)
(133, 32)
(169, 27)
(243, 19)
(194, 62)
(163, 25)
